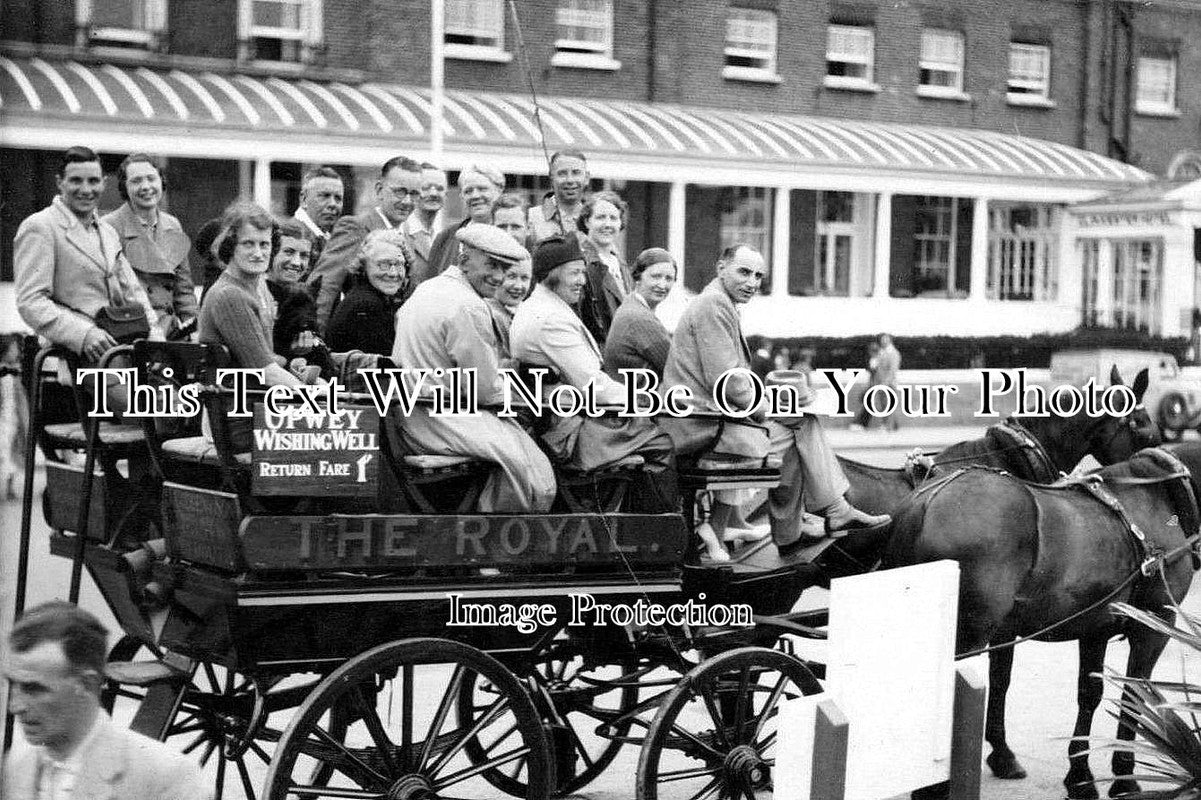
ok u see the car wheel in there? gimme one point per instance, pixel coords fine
(1173, 416)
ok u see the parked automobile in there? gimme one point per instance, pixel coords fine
(1172, 400)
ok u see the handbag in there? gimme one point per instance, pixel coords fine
(125, 322)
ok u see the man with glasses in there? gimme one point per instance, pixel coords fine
(396, 194)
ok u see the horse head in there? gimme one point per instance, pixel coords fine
(1112, 438)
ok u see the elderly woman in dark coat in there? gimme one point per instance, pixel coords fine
(366, 318)
(637, 339)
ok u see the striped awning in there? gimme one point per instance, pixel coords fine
(98, 96)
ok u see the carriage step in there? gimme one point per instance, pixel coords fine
(143, 673)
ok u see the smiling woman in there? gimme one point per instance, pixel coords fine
(602, 219)
(366, 318)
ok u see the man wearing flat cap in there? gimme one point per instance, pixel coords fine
(546, 332)
(708, 342)
(447, 324)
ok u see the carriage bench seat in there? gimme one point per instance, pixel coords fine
(600, 490)
(433, 464)
(708, 473)
(109, 434)
(197, 450)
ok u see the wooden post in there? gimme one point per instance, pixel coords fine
(967, 732)
(830, 730)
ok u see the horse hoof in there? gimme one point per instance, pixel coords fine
(1081, 791)
(1123, 787)
(1005, 767)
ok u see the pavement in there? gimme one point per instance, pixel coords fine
(927, 437)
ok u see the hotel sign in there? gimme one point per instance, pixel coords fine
(1125, 219)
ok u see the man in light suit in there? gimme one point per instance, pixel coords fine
(54, 667)
(424, 224)
(68, 264)
(708, 342)
(448, 325)
(396, 194)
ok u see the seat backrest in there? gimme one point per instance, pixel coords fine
(179, 363)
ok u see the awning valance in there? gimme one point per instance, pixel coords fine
(199, 102)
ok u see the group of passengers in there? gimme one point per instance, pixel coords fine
(320, 295)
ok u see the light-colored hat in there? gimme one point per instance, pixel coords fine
(492, 241)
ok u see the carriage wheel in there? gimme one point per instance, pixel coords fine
(719, 724)
(401, 741)
(221, 717)
(579, 699)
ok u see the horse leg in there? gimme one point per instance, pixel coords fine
(1079, 780)
(1003, 763)
(1145, 648)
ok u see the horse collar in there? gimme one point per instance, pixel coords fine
(1016, 436)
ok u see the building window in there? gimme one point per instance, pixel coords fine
(120, 23)
(1122, 284)
(1156, 90)
(842, 245)
(281, 30)
(475, 29)
(746, 214)
(850, 56)
(1022, 248)
(585, 33)
(750, 45)
(934, 245)
(940, 70)
(1029, 72)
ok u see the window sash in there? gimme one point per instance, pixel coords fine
(476, 19)
(941, 55)
(748, 219)
(585, 25)
(751, 34)
(1029, 69)
(291, 22)
(1156, 82)
(122, 20)
(853, 47)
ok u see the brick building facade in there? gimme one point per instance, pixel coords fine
(897, 162)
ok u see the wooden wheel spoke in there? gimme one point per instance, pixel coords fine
(740, 703)
(406, 709)
(332, 791)
(707, 790)
(769, 707)
(211, 674)
(579, 746)
(685, 774)
(484, 721)
(371, 718)
(247, 784)
(715, 715)
(192, 745)
(483, 766)
(766, 743)
(444, 705)
(708, 748)
(209, 747)
(220, 775)
(326, 738)
(258, 750)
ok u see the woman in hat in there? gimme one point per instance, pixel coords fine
(547, 333)
(637, 339)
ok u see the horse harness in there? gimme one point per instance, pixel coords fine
(1148, 554)
(1009, 436)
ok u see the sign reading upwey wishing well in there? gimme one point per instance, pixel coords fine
(301, 452)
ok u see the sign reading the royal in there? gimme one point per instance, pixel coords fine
(300, 452)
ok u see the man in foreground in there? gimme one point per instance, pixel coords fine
(55, 670)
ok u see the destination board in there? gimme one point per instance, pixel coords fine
(354, 542)
(302, 453)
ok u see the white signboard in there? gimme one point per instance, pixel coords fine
(891, 670)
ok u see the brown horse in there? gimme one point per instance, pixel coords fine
(1032, 448)
(1034, 558)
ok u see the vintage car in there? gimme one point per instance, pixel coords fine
(1172, 400)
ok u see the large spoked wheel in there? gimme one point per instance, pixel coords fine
(715, 734)
(578, 701)
(398, 738)
(221, 717)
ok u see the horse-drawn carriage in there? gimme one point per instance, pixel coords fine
(410, 654)
(305, 645)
